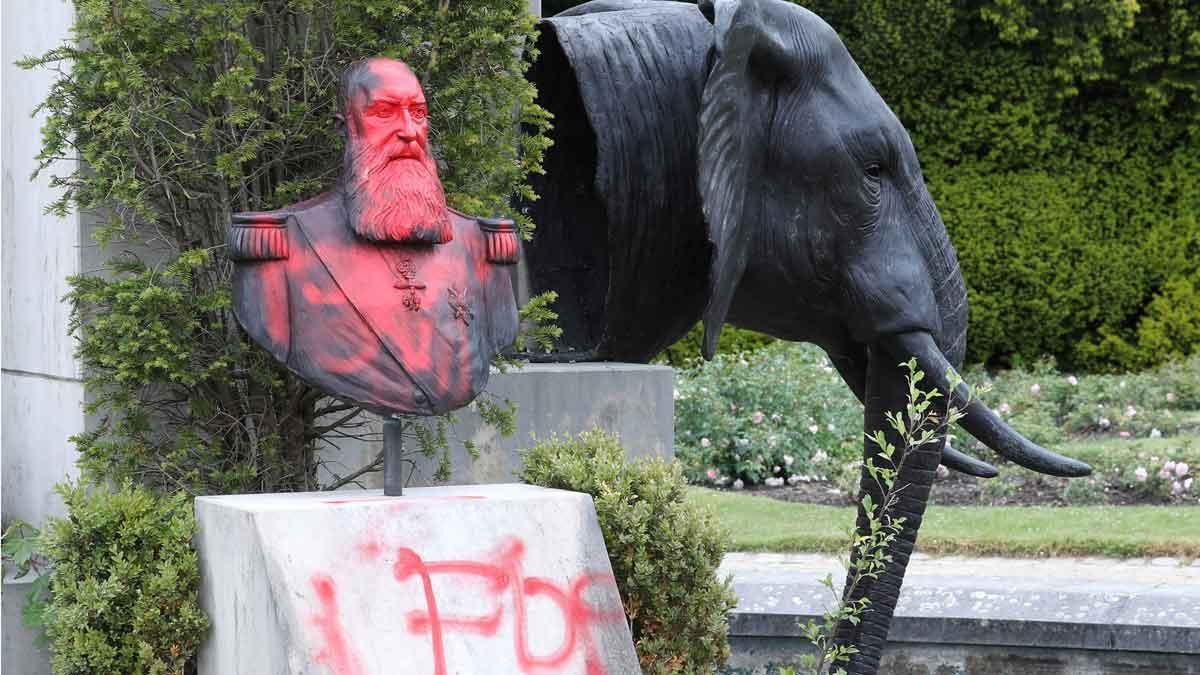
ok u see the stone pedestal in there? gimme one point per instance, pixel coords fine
(633, 401)
(480, 579)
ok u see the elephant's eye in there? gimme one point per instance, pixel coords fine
(872, 171)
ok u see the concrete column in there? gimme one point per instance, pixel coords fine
(42, 392)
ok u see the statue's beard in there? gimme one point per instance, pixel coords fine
(396, 201)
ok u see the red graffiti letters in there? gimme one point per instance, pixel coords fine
(337, 653)
(499, 581)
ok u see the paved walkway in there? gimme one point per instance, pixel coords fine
(1094, 603)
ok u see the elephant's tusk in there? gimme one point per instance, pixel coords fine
(964, 463)
(980, 421)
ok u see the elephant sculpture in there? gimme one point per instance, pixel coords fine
(730, 163)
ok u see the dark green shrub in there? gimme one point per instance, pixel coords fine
(1168, 331)
(664, 551)
(123, 590)
(183, 111)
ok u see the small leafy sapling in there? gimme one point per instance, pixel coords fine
(22, 557)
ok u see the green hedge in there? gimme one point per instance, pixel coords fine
(686, 352)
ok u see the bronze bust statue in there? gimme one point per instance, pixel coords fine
(376, 291)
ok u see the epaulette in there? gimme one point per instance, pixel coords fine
(258, 236)
(501, 235)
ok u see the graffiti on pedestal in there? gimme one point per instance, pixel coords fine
(500, 579)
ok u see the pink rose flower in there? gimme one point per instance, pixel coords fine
(712, 474)
(758, 417)
(1181, 469)
(1140, 474)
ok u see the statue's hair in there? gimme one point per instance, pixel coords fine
(358, 78)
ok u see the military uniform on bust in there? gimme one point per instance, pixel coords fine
(376, 291)
(395, 328)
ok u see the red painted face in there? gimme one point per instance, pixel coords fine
(392, 190)
(392, 117)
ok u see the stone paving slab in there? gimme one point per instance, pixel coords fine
(1150, 605)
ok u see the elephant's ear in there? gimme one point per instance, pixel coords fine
(734, 119)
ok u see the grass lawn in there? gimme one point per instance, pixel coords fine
(764, 524)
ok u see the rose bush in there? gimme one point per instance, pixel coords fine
(782, 414)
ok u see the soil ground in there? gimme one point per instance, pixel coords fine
(960, 490)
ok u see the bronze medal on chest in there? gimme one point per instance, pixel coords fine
(405, 272)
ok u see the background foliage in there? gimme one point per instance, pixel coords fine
(183, 111)
(686, 352)
(124, 590)
(664, 550)
(743, 417)
(778, 412)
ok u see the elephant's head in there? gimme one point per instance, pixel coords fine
(798, 150)
(797, 147)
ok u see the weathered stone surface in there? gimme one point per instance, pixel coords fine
(481, 579)
(41, 389)
(634, 401)
(987, 615)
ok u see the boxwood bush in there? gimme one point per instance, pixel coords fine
(664, 550)
(124, 584)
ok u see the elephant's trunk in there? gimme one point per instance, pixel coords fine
(887, 390)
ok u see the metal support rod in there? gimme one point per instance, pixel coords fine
(393, 458)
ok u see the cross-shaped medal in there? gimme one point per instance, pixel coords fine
(407, 272)
(458, 304)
